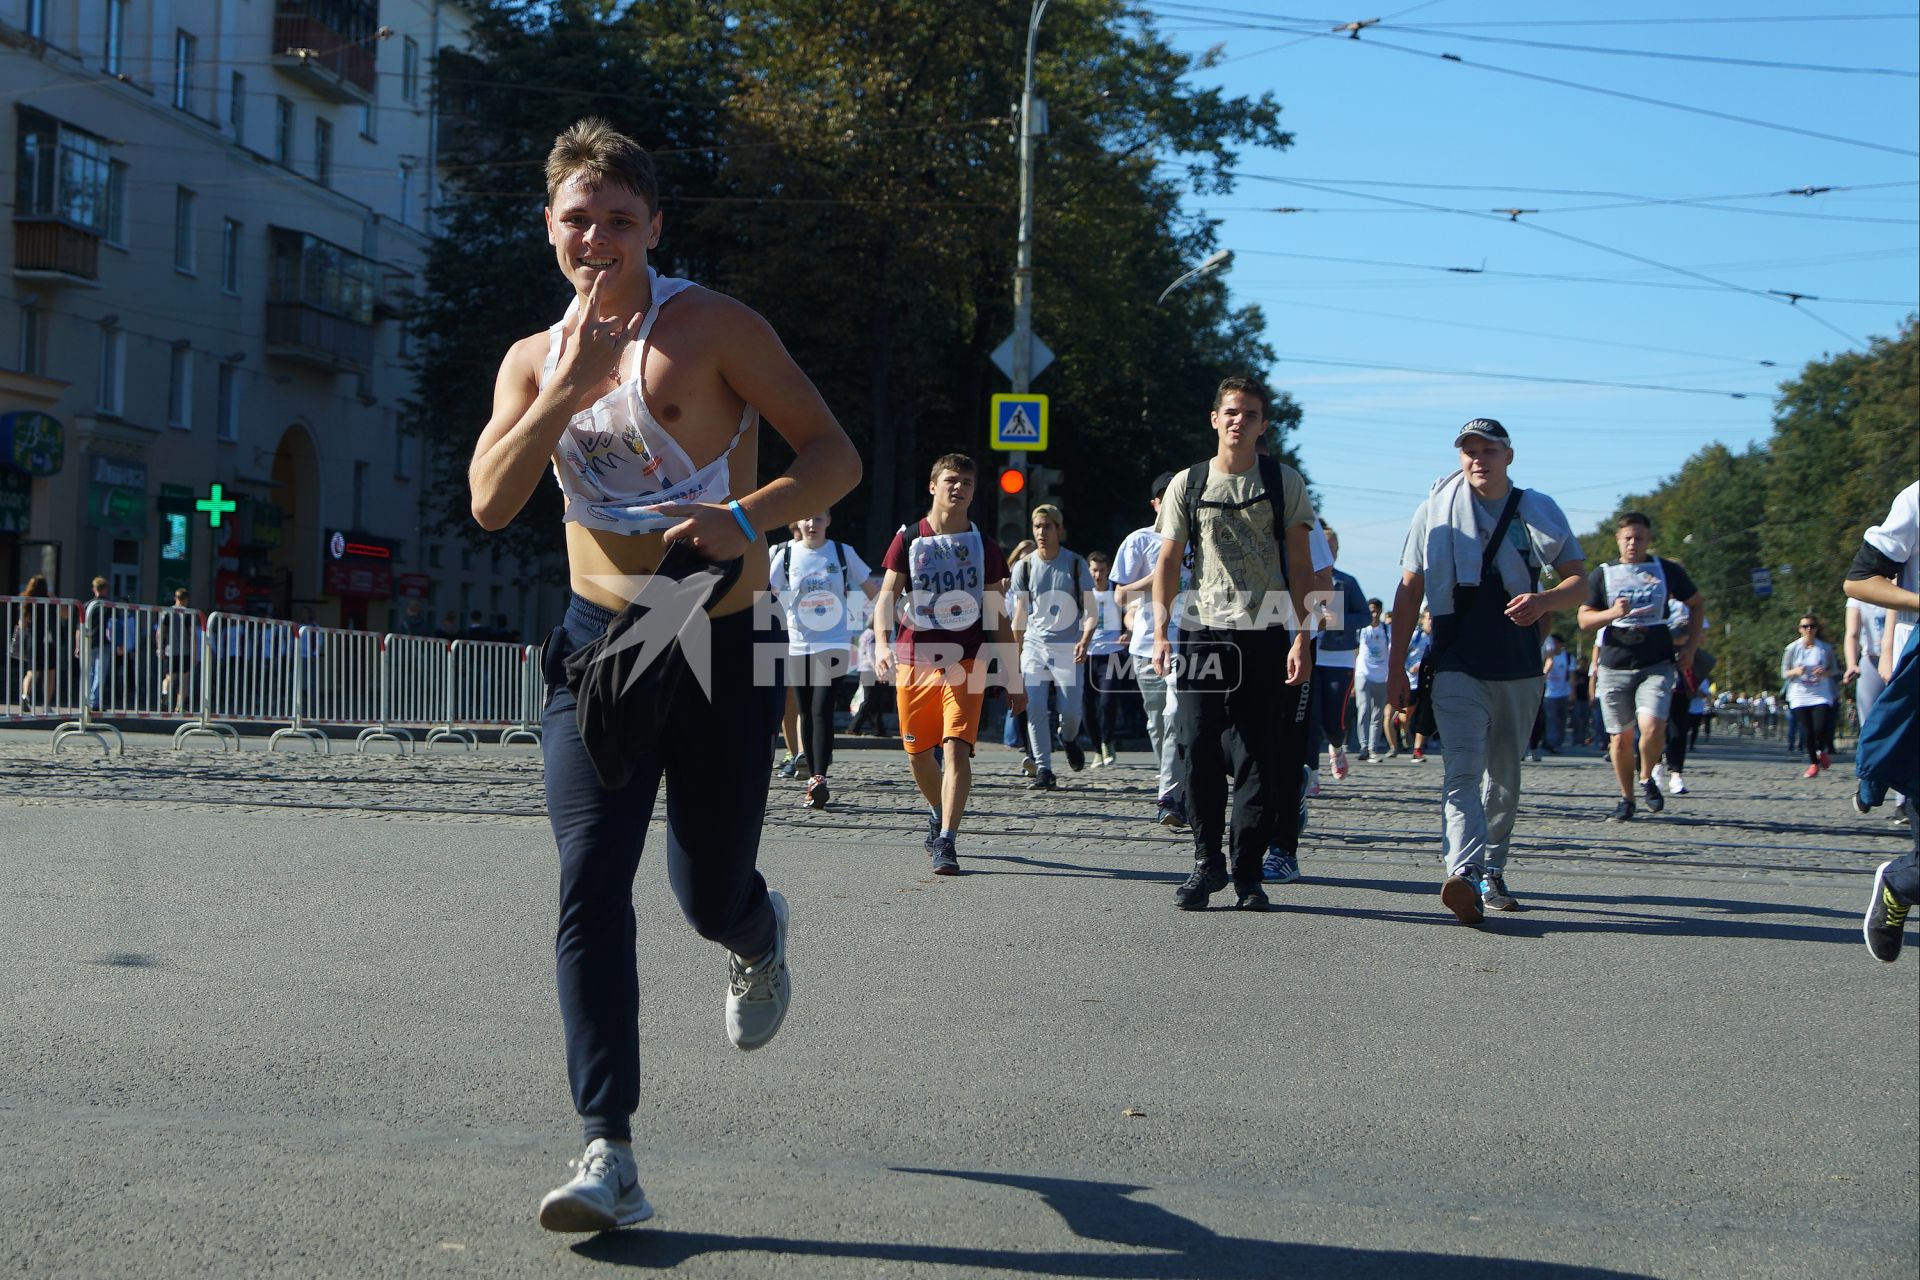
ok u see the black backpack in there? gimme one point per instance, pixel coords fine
(1191, 502)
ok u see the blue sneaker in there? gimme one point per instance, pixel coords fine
(946, 859)
(1494, 895)
(1278, 868)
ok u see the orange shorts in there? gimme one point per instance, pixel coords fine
(937, 703)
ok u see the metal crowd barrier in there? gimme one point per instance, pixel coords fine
(41, 659)
(337, 682)
(488, 687)
(137, 662)
(250, 674)
(94, 664)
(413, 688)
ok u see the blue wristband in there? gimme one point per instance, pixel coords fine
(746, 527)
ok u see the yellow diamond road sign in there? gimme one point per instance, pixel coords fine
(1019, 422)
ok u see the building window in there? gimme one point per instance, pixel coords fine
(323, 152)
(227, 406)
(466, 559)
(283, 132)
(60, 172)
(410, 71)
(230, 256)
(183, 46)
(184, 257)
(113, 367)
(180, 387)
(114, 54)
(406, 194)
(402, 451)
(37, 19)
(117, 204)
(319, 274)
(33, 346)
(237, 107)
(370, 115)
(360, 470)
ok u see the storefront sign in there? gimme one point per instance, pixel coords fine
(176, 508)
(117, 496)
(16, 501)
(344, 579)
(32, 443)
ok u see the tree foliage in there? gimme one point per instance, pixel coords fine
(848, 170)
(1846, 439)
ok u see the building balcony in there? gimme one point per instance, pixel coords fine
(309, 46)
(54, 251)
(318, 339)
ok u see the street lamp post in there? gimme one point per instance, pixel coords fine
(1012, 504)
(1219, 260)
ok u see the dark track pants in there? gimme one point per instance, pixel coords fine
(714, 757)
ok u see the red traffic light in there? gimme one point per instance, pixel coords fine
(1012, 481)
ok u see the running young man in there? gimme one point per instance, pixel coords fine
(1641, 653)
(1133, 568)
(1243, 675)
(646, 503)
(951, 578)
(1474, 550)
(1335, 650)
(1054, 618)
(818, 584)
(1886, 573)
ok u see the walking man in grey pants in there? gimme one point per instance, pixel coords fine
(1474, 551)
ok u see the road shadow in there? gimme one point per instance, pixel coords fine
(1169, 1246)
(1649, 914)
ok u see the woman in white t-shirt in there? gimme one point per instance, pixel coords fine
(1107, 672)
(821, 586)
(1809, 669)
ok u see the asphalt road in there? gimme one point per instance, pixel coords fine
(293, 1015)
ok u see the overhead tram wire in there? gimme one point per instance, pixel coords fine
(1377, 43)
(1712, 20)
(1534, 275)
(1424, 30)
(1285, 358)
(1618, 253)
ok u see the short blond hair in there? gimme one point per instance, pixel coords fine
(1047, 511)
(595, 150)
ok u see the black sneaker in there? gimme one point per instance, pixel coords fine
(1043, 781)
(1252, 900)
(1655, 801)
(1622, 812)
(1170, 813)
(1208, 878)
(946, 859)
(1075, 756)
(933, 829)
(1886, 919)
(1460, 894)
(817, 792)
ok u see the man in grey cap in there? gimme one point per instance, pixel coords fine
(1133, 592)
(1474, 552)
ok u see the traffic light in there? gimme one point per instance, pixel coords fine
(1043, 485)
(1012, 483)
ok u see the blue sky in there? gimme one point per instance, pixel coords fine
(1374, 438)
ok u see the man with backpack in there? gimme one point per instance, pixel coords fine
(1474, 551)
(815, 582)
(1242, 675)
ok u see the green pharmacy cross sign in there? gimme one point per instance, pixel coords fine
(215, 506)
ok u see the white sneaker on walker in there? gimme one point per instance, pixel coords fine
(605, 1193)
(757, 992)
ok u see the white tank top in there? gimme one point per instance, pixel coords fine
(615, 462)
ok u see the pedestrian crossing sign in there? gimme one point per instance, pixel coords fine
(1019, 422)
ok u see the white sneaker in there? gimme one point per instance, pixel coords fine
(1313, 784)
(757, 993)
(1660, 776)
(605, 1193)
(1339, 764)
(1676, 784)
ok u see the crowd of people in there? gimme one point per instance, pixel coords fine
(1241, 651)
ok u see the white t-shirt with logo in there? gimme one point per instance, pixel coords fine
(1375, 642)
(822, 607)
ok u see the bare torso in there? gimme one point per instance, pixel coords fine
(693, 403)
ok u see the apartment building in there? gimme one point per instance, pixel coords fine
(216, 205)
